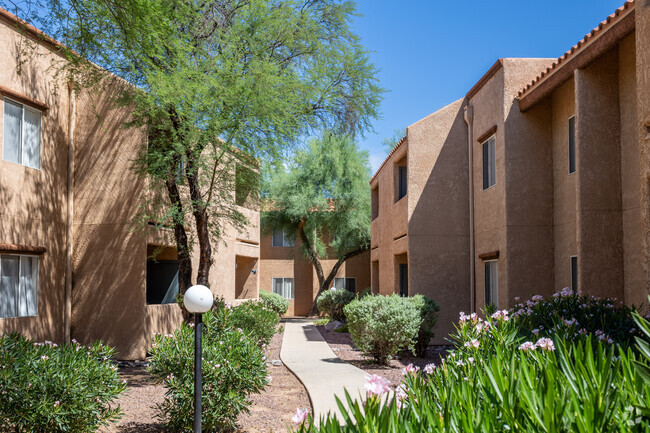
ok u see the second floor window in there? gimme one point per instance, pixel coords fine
(489, 162)
(282, 239)
(401, 181)
(21, 142)
(572, 144)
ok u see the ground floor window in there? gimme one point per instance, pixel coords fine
(574, 273)
(492, 283)
(162, 281)
(283, 287)
(349, 284)
(18, 286)
(403, 280)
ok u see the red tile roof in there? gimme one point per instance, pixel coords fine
(392, 152)
(610, 21)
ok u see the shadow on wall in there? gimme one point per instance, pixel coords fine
(439, 224)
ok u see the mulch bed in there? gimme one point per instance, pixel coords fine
(342, 345)
(270, 411)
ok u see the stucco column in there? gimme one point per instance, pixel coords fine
(598, 214)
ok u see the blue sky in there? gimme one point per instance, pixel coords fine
(430, 52)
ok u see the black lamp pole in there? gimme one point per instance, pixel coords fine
(198, 332)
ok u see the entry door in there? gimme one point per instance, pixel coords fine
(404, 280)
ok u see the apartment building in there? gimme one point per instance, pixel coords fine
(285, 270)
(536, 180)
(71, 263)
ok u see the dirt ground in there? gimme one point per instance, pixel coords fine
(342, 345)
(271, 411)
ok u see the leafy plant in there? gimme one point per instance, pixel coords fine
(274, 301)
(233, 369)
(381, 326)
(332, 302)
(45, 387)
(428, 310)
(256, 318)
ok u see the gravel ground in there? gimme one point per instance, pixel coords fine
(271, 411)
(342, 345)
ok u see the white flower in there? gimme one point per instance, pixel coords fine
(472, 343)
(545, 343)
(527, 346)
(428, 369)
(410, 369)
(300, 416)
(377, 385)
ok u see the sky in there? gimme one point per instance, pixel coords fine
(431, 52)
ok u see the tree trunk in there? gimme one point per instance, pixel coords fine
(200, 213)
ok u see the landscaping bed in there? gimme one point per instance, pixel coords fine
(271, 410)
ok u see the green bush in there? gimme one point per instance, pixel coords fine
(332, 302)
(496, 381)
(257, 319)
(428, 310)
(274, 301)
(233, 369)
(49, 388)
(381, 326)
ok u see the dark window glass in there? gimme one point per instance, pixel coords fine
(404, 280)
(162, 281)
(574, 273)
(572, 145)
(401, 184)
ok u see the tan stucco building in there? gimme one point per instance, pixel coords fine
(536, 180)
(71, 265)
(285, 271)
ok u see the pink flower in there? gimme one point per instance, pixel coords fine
(537, 298)
(400, 392)
(503, 314)
(545, 343)
(300, 416)
(410, 369)
(470, 360)
(570, 322)
(472, 343)
(428, 369)
(527, 346)
(535, 332)
(56, 403)
(377, 385)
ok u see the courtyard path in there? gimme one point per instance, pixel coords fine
(324, 375)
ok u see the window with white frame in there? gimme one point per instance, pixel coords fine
(349, 284)
(18, 286)
(282, 239)
(283, 287)
(489, 162)
(21, 134)
(572, 144)
(491, 282)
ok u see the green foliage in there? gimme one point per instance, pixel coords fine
(322, 322)
(381, 326)
(642, 368)
(256, 318)
(50, 388)
(332, 302)
(428, 310)
(233, 369)
(575, 316)
(389, 143)
(494, 381)
(274, 301)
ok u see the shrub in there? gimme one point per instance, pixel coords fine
(233, 369)
(49, 388)
(256, 318)
(275, 302)
(428, 310)
(332, 302)
(380, 326)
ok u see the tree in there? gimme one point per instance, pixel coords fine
(390, 142)
(214, 82)
(324, 194)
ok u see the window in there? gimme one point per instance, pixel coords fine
(162, 281)
(18, 286)
(401, 181)
(574, 273)
(489, 163)
(492, 282)
(283, 287)
(572, 144)
(374, 201)
(22, 135)
(282, 239)
(349, 284)
(403, 280)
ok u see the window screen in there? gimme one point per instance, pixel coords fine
(12, 132)
(18, 286)
(282, 239)
(489, 163)
(492, 283)
(283, 287)
(21, 135)
(572, 144)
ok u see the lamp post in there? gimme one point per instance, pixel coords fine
(198, 300)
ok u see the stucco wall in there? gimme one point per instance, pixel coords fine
(34, 207)
(438, 227)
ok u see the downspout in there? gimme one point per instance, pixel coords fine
(67, 313)
(468, 114)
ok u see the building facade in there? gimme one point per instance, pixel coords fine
(285, 270)
(71, 263)
(536, 180)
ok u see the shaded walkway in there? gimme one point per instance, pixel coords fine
(309, 357)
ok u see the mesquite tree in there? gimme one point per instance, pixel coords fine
(324, 194)
(212, 81)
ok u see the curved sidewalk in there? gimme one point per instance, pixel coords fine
(309, 357)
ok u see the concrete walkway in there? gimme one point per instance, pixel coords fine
(309, 357)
